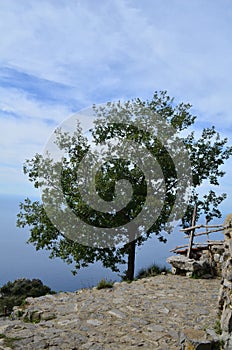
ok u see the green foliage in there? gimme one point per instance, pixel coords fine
(152, 270)
(217, 327)
(104, 284)
(207, 154)
(219, 345)
(9, 341)
(195, 276)
(15, 293)
(28, 320)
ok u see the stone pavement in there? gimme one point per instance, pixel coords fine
(145, 314)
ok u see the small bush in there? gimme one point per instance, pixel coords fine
(195, 276)
(9, 342)
(217, 327)
(104, 284)
(15, 293)
(153, 270)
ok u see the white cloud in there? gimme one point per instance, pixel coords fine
(14, 101)
(121, 46)
(119, 49)
(26, 124)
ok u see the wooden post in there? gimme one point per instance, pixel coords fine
(209, 249)
(207, 229)
(192, 232)
(5, 310)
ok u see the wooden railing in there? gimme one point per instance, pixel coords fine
(190, 234)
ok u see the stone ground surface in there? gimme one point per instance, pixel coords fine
(146, 314)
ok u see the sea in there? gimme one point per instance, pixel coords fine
(21, 260)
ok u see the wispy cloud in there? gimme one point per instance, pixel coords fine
(57, 57)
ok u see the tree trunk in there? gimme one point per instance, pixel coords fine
(131, 261)
(131, 254)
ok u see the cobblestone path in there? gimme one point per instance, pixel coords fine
(145, 314)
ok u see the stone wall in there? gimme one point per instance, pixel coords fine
(225, 294)
(206, 263)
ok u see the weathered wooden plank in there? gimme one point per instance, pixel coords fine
(192, 231)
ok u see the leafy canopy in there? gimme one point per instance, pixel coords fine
(207, 154)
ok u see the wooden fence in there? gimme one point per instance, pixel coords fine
(191, 234)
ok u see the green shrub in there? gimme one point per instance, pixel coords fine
(152, 270)
(15, 293)
(217, 327)
(9, 342)
(104, 284)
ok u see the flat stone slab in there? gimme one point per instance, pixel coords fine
(146, 314)
(195, 340)
(181, 262)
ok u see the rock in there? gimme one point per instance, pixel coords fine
(195, 340)
(227, 284)
(155, 328)
(3, 328)
(116, 313)
(46, 316)
(183, 263)
(164, 310)
(226, 320)
(189, 274)
(229, 276)
(207, 276)
(211, 333)
(94, 322)
(174, 271)
(35, 316)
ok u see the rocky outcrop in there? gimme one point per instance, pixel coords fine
(192, 339)
(181, 265)
(207, 264)
(225, 295)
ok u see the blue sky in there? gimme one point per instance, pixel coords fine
(57, 57)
